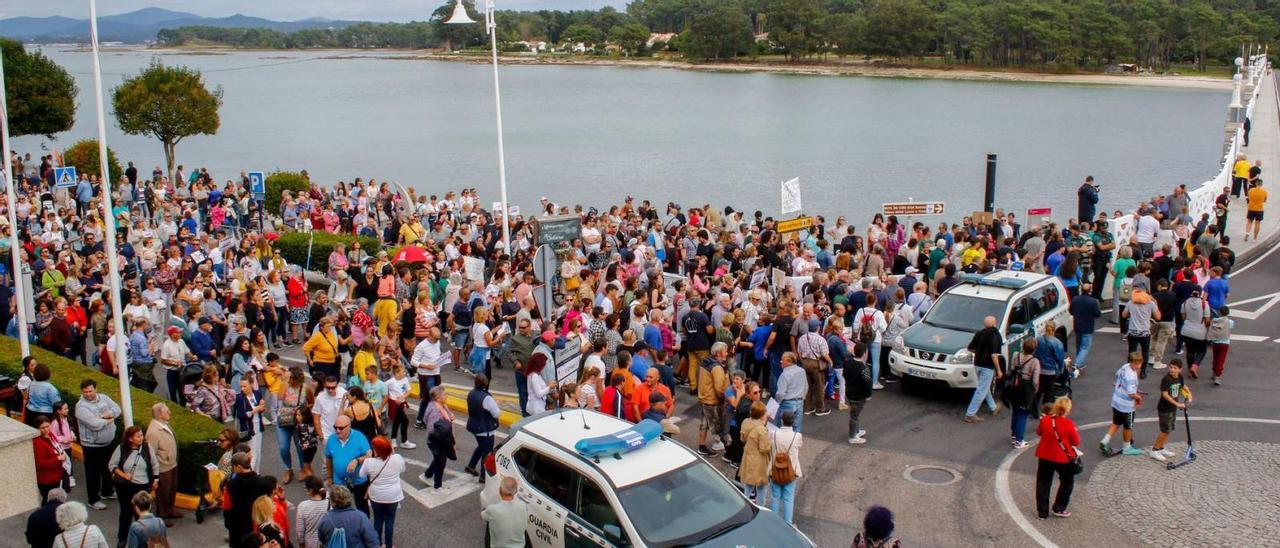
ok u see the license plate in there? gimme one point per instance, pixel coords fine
(915, 372)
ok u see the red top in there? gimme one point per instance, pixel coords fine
(48, 467)
(297, 292)
(1049, 449)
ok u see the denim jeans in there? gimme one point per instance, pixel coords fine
(775, 370)
(874, 356)
(286, 439)
(784, 495)
(478, 358)
(1083, 342)
(795, 407)
(522, 390)
(1018, 424)
(983, 391)
(757, 494)
(384, 521)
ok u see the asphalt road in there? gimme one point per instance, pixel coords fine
(922, 428)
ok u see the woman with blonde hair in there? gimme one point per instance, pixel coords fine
(1058, 453)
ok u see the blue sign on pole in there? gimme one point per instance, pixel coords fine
(258, 185)
(65, 177)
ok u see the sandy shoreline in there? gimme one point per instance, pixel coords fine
(817, 69)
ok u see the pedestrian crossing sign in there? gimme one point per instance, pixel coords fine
(64, 177)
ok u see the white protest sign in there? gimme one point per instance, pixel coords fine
(791, 196)
(474, 268)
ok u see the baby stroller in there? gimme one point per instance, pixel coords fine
(188, 376)
(1062, 384)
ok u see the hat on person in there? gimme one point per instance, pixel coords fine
(548, 337)
(205, 320)
(910, 270)
(173, 330)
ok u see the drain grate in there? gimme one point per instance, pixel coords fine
(930, 474)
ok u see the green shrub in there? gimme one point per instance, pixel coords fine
(293, 247)
(280, 181)
(196, 433)
(84, 156)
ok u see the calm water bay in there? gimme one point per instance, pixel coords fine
(593, 134)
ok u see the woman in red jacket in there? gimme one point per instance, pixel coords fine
(1057, 451)
(49, 458)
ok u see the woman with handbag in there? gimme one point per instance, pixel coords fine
(321, 350)
(133, 471)
(1020, 392)
(385, 493)
(440, 441)
(248, 411)
(292, 397)
(1058, 453)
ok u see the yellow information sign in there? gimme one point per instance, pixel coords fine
(795, 224)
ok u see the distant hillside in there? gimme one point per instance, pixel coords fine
(141, 26)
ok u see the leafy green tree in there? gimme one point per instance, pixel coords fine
(84, 156)
(280, 181)
(1204, 26)
(797, 25)
(168, 103)
(845, 31)
(723, 33)
(582, 33)
(900, 28)
(41, 94)
(631, 37)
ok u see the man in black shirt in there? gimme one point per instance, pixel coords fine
(1223, 256)
(1162, 330)
(697, 330)
(987, 355)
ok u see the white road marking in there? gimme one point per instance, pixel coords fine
(1005, 496)
(1234, 336)
(1238, 271)
(455, 486)
(1271, 299)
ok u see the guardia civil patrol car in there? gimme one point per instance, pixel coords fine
(592, 480)
(935, 348)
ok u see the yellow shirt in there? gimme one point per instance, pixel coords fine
(361, 362)
(412, 232)
(1257, 196)
(322, 347)
(972, 255)
(1241, 169)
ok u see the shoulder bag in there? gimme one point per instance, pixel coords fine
(1077, 461)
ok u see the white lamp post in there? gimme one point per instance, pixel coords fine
(113, 267)
(15, 246)
(460, 17)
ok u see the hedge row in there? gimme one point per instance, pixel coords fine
(293, 247)
(197, 434)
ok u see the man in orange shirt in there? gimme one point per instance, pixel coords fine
(1253, 217)
(652, 384)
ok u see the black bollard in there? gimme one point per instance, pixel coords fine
(989, 201)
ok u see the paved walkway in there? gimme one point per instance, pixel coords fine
(1264, 145)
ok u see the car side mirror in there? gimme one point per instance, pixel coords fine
(1016, 329)
(612, 531)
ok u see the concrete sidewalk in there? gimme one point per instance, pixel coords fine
(1264, 145)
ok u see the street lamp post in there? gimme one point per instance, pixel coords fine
(15, 246)
(114, 287)
(460, 17)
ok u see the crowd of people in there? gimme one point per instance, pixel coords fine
(657, 300)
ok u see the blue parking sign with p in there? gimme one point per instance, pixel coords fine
(258, 185)
(64, 177)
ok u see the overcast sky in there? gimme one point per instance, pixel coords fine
(280, 10)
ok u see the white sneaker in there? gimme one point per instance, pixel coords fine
(857, 441)
(408, 445)
(861, 433)
(98, 506)
(1159, 455)
(394, 444)
(1168, 453)
(877, 386)
(1159, 365)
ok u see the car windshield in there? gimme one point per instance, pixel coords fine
(963, 313)
(685, 506)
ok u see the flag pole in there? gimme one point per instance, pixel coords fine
(15, 246)
(113, 266)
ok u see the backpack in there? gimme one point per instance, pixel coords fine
(783, 473)
(337, 539)
(867, 328)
